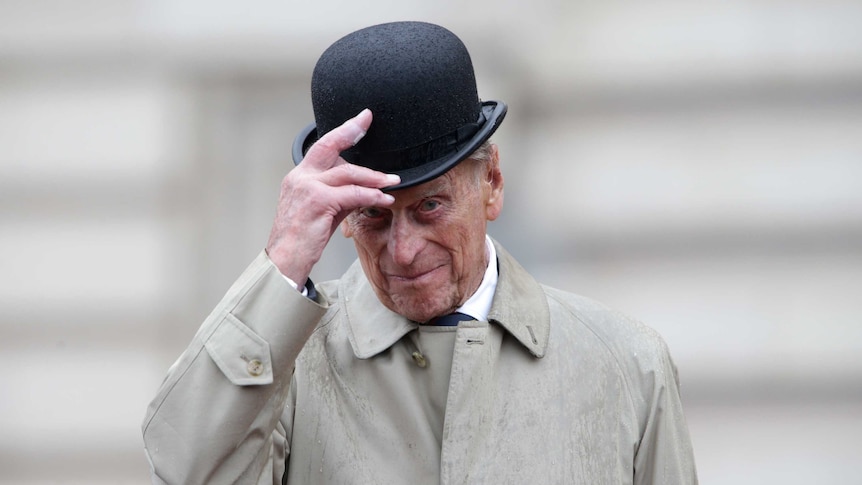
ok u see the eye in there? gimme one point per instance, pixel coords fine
(371, 212)
(429, 205)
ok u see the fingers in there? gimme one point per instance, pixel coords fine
(349, 174)
(350, 197)
(325, 153)
(318, 194)
(324, 157)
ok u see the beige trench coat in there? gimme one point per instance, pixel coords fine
(557, 389)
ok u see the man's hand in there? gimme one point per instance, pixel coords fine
(318, 194)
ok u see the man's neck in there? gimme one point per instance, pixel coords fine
(479, 304)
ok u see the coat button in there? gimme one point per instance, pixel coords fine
(255, 367)
(419, 359)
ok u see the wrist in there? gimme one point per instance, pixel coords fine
(294, 273)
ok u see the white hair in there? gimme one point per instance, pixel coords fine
(480, 158)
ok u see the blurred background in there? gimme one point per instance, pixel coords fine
(695, 164)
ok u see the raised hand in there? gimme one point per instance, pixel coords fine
(318, 194)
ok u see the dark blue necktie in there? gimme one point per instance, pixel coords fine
(450, 320)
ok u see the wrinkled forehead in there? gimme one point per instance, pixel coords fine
(450, 183)
(432, 188)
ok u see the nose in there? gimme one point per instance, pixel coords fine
(405, 241)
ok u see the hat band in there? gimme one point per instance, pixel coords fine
(407, 158)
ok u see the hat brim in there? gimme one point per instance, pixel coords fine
(493, 111)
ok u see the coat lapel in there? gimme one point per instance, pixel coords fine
(373, 328)
(520, 305)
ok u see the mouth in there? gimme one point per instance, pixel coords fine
(413, 278)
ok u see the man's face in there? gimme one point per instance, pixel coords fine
(425, 255)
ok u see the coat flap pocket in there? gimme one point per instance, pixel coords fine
(242, 355)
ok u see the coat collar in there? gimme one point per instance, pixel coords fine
(519, 306)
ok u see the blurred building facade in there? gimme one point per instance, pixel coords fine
(698, 166)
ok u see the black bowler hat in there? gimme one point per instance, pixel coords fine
(418, 81)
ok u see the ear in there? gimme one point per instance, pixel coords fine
(493, 184)
(346, 230)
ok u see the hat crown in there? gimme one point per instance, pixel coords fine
(417, 78)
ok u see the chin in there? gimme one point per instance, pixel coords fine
(419, 309)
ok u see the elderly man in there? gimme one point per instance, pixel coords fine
(436, 358)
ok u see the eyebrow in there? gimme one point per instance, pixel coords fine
(434, 188)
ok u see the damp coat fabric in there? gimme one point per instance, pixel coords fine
(553, 388)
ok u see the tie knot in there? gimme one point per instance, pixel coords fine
(450, 320)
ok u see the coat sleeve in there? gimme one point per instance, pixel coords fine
(216, 417)
(664, 454)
